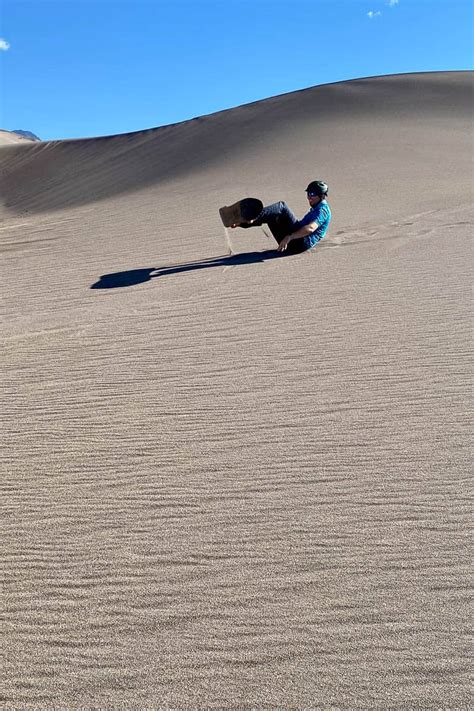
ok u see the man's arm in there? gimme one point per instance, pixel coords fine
(302, 232)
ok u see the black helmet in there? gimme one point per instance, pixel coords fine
(318, 188)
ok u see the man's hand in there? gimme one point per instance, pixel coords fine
(284, 243)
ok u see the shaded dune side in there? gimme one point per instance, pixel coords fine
(56, 174)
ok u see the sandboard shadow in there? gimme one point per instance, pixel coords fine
(139, 276)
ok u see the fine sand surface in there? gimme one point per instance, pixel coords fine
(235, 480)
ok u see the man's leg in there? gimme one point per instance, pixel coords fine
(282, 222)
(296, 246)
(279, 218)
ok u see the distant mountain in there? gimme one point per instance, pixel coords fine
(26, 134)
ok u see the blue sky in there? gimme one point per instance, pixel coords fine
(76, 68)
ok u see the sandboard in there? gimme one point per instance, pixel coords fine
(242, 211)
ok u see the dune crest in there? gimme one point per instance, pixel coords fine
(349, 131)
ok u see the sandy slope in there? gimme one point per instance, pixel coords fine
(234, 480)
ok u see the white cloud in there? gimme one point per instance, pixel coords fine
(392, 3)
(373, 14)
(4, 45)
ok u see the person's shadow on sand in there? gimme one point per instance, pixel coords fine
(138, 276)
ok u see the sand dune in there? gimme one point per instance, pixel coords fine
(8, 137)
(232, 480)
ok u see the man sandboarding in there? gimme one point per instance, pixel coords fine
(293, 236)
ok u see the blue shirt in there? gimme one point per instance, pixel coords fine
(320, 213)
